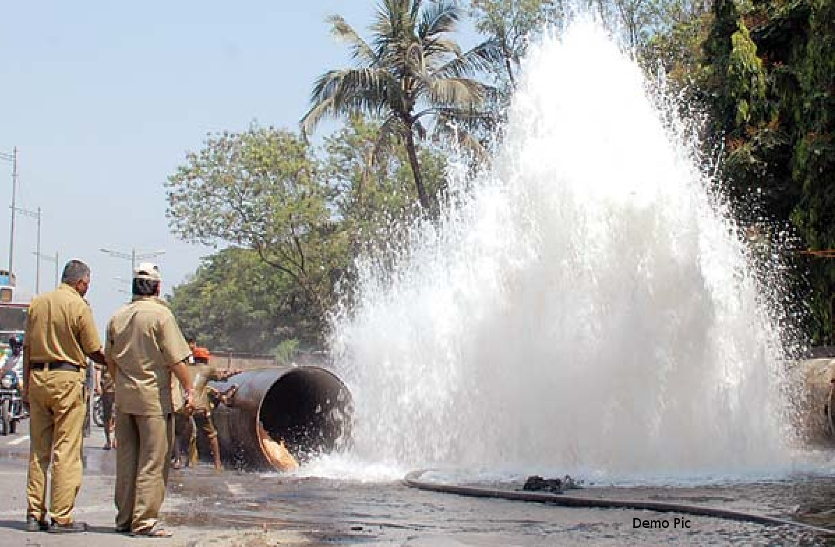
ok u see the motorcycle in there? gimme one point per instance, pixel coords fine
(11, 403)
(98, 411)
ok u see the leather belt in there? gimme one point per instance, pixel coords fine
(55, 365)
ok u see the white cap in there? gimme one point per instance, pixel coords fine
(147, 270)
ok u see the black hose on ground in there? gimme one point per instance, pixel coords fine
(412, 479)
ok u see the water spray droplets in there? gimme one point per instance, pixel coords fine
(585, 308)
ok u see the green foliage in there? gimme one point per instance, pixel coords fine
(678, 52)
(411, 76)
(717, 54)
(509, 23)
(291, 222)
(771, 92)
(375, 198)
(294, 221)
(261, 190)
(746, 81)
(814, 160)
(286, 350)
(236, 301)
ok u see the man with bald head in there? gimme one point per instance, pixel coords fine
(60, 335)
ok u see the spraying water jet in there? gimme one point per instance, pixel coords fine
(591, 284)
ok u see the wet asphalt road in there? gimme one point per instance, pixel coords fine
(344, 513)
(232, 508)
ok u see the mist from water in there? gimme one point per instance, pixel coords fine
(584, 307)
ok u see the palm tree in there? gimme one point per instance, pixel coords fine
(410, 75)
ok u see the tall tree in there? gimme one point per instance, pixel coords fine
(678, 50)
(641, 23)
(376, 200)
(235, 301)
(737, 92)
(814, 158)
(262, 190)
(411, 75)
(509, 23)
(771, 77)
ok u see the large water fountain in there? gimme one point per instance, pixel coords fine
(585, 306)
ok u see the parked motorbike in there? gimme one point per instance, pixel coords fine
(11, 403)
(98, 411)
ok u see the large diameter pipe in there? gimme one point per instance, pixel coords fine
(307, 408)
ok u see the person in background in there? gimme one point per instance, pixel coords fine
(12, 355)
(182, 451)
(144, 347)
(89, 384)
(15, 346)
(106, 390)
(201, 373)
(60, 335)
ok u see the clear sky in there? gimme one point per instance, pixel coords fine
(104, 98)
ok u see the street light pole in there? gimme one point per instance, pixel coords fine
(12, 158)
(38, 250)
(35, 215)
(133, 256)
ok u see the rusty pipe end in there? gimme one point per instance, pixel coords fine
(307, 410)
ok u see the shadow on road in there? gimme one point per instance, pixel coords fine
(20, 525)
(13, 524)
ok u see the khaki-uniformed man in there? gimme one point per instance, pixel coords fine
(106, 390)
(201, 372)
(144, 346)
(60, 335)
(184, 448)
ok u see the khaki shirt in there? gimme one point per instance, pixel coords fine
(60, 327)
(144, 342)
(200, 375)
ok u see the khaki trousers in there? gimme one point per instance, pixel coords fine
(57, 411)
(203, 420)
(108, 400)
(142, 462)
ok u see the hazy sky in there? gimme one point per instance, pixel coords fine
(103, 100)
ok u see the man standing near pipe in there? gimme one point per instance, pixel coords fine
(106, 390)
(145, 346)
(201, 372)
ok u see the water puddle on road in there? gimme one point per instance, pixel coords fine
(350, 512)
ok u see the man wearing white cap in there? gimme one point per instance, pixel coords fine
(145, 346)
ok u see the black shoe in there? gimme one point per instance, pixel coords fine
(35, 525)
(71, 528)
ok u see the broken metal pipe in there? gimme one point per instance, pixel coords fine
(306, 409)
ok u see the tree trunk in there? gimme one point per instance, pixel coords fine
(413, 161)
(507, 64)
